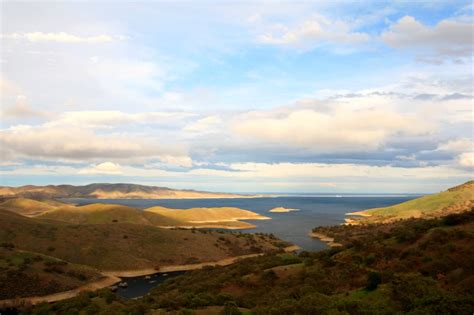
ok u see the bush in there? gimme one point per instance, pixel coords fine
(373, 281)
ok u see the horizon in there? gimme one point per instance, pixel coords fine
(273, 193)
(322, 97)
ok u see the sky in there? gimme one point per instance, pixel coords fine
(238, 96)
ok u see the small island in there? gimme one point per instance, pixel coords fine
(282, 210)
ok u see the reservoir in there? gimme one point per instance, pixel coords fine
(291, 226)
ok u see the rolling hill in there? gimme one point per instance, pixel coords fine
(125, 246)
(108, 191)
(99, 213)
(453, 200)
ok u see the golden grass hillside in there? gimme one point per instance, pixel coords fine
(30, 207)
(208, 215)
(124, 246)
(453, 200)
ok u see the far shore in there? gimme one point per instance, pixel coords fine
(114, 277)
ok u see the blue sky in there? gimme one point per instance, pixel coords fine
(326, 96)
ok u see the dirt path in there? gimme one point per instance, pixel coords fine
(112, 277)
(171, 268)
(92, 286)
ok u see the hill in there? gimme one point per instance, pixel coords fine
(453, 200)
(25, 273)
(208, 216)
(108, 191)
(99, 213)
(31, 207)
(413, 266)
(125, 246)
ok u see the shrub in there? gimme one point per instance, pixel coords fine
(373, 281)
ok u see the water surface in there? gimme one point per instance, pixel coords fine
(292, 226)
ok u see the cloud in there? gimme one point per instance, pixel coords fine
(61, 37)
(108, 168)
(61, 142)
(457, 145)
(21, 109)
(466, 160)
(317, 31)
(114, 118)
(204, 125)
(338, 130)
(448, 39)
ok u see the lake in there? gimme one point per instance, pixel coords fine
(292, 226)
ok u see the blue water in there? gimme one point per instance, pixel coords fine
(293, 226)
(140, 286)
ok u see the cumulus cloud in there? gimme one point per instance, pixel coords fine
(466, 159)
(107, 168)
(447, 39)
(316, 31)
(57, 142)
(61, 37)
(338, 130)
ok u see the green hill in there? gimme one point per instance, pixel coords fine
(453, 200)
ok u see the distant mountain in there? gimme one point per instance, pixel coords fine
(454, 200)
(108, 191)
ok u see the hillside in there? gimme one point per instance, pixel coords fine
(412, 266)
(220, 215)
(25, 273)
(31, 207)
(98, 213)
(453, 200)
(125, 246)
(108, 191)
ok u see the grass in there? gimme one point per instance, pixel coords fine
(125, 246)
(453, 200)
(27, 274)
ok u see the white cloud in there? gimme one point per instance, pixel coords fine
(458, 145)
(337, 130)
(107, 168)
(204, 125)
(114, 118)
(316, 31)
(448, 38)
(61, 37)
(466, 160)
(62, 142)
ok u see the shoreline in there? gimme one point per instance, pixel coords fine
(324, 238)
(113, 277)
(188, 267)
(359, 213)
